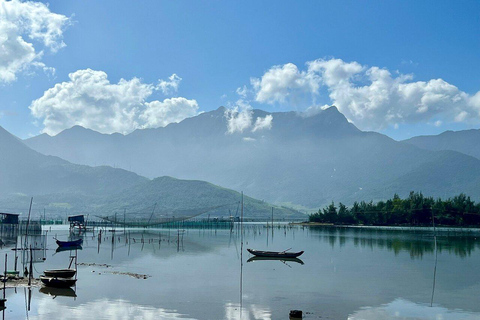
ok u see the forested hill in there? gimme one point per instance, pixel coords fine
(415, 210)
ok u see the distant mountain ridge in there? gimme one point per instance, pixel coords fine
(304, 160)
(464, 141)
(59, 185)
(23, 170)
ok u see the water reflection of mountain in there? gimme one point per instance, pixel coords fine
(415, 243)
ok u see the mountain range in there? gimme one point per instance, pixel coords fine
(465, 141)
(303, 160)
(62, 187)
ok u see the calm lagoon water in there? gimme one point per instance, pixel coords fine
(347, 274)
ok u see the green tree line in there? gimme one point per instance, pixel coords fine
(415, 210)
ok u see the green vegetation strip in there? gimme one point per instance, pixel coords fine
(415, 210)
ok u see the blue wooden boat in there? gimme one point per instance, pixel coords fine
(74, 243)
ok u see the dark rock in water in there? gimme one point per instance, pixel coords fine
(296, 314)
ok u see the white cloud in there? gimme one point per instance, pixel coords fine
(240, 118)
(90, 100)
(263, 123)
(242, 91)
(169, 86)
(161, 113)
(334, 72)
(285, 84)
(26, 28)
(370, 97)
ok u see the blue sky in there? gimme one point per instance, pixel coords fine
(293, 49)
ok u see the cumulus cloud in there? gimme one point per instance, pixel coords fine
(90, 100)
(370, 97)
(169, 86)
(161, 113)
(240, 118)
(26, 29)
(263, 123)
(285, 84)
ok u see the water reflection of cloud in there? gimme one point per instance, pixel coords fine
(401, 309)
(232, 312)
(103, 309)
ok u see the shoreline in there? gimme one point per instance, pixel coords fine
(393, 228)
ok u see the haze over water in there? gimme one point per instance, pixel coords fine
(347, 274)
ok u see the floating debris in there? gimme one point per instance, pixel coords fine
(95, 264)
(130, 274)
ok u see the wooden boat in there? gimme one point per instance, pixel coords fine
(58, 282)
(74, 243)
(275, 254)
(296, 260)
(60, 273)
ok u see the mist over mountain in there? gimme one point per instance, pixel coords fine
(62, 187)
(303, 160)
(465, 141)
(25, 171)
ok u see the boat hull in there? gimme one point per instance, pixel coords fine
(275, 254)
(58, 282)
(75, 243)
(60, 249)
(60, 273)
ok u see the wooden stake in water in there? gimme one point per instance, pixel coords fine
(5, 276)
(30, 274)
(241, 260)
(28, 222)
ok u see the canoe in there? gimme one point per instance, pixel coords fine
(296, 260)
(74, 243)
(60, 273)
(58, 282)
(275, 254)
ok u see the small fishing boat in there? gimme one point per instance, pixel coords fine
(74, 243)
(60, 273)
(58, 282)
(275, 254)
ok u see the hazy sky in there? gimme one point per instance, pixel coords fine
(400, 67)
